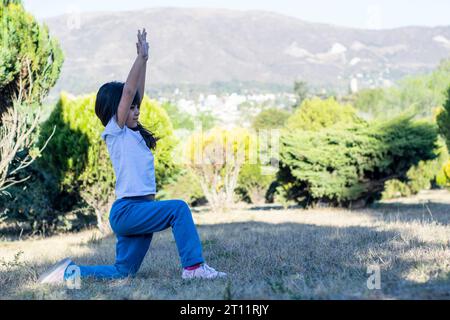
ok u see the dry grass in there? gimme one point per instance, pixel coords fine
(268, 253)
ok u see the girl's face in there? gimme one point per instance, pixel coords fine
(133, 116)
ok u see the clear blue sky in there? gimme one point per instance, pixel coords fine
(372, 14)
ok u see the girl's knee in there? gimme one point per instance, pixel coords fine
(181, 204)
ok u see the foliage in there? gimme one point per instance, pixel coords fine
(186, 187)
(271, 118)
(342, 166)
(29, 58)
(301, 92)
(416, 94)
(216, 157)
(443, 119)
(180, 119)
(315, 114)
(253, 183)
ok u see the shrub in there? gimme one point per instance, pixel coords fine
(186, 187)
(423, 176)
(344, 165)
(443, 119)
(216, 157)
(271, 118)
(316, 114)
(253, 183)
(29, 58)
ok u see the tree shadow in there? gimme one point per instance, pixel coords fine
(266, 261)
(423, 212)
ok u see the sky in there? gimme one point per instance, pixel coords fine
(363, 14)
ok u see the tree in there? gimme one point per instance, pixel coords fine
(271, 118)
(316, 114)
(30, 60)
(29, 66)
(216, 157)
(17, 135)
(443, 119)
(301, 92)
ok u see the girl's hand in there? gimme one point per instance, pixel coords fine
(142, 45)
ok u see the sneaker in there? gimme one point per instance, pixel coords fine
(204, 272)
(55, 274)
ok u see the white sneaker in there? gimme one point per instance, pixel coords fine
(55, 274)
(204, 272)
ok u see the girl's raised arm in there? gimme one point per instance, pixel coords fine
(141, 85)
(132, 83)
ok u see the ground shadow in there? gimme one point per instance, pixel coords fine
(426, 211)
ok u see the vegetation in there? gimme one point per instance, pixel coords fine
(216, 157)
(315, 114)
(344, 166)
(420, 95)
(30, 60)
(271, 118)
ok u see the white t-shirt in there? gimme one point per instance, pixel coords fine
(132, 160)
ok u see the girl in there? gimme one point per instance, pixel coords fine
(135, 215)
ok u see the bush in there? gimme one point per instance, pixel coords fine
(341, 166)
(29, 58)
(216, 157)
(271, 118)
(443, 119)
(423, 176)
(253, 184)
(185, 187)
(316, 114)
(35, 207)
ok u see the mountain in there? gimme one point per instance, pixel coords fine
(203, 47)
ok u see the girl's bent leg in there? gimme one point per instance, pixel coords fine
(130, 252)
(144, 217)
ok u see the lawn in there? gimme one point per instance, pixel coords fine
(269, 253)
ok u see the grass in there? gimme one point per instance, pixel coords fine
(268, 252)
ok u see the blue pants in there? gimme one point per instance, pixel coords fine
(134, 222)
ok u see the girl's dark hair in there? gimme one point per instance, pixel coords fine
(107, 103)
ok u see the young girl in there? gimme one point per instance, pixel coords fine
(135, 215)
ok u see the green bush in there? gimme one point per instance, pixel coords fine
(443, 119)
(341, 166)
(29, 57)
(35, 207)
(185, 187)
(423, 176)
(316, 114)
(253, 184)
(272, 118)
(395, 189)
